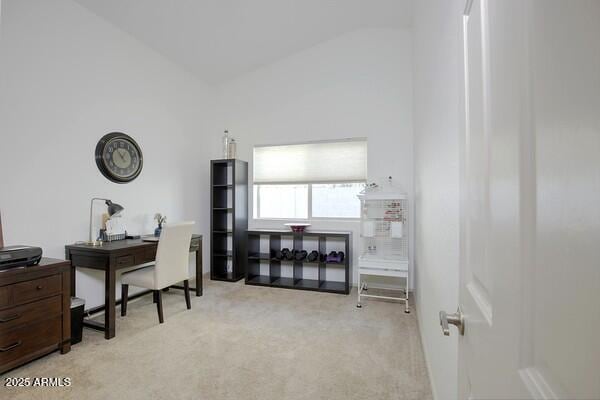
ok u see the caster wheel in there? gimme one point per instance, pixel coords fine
(406, 311)
(359, 306)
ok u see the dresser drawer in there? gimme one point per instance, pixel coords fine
(36, 289)
(4, 296)
(24, 341)
(31, 312)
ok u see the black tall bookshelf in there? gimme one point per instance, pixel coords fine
(273, 275)
(228, 219)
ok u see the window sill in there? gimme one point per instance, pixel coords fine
(306, 221)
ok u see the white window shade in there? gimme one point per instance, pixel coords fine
(317, 162)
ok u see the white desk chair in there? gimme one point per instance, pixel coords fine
(172, 262)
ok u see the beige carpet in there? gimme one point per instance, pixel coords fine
(243, 342)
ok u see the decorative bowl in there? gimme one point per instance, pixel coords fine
(297, 226)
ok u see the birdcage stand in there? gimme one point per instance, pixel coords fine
(388, 269)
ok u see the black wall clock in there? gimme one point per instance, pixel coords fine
(119, 157)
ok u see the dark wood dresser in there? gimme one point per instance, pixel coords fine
(35, 312)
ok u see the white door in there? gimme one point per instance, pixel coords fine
(530, 201)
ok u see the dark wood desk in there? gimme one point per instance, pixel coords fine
(113, 256)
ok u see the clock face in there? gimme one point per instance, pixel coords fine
(118, 157)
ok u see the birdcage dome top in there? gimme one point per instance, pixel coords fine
(382, 191)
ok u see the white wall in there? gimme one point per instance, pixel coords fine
(357, 85)
(66, 79)
(436, 52)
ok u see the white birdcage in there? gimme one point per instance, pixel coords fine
(384, 237)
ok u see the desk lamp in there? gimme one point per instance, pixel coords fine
(113, 209)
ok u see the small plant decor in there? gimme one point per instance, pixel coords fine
(160, 220)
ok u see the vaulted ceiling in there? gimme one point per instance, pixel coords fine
(220, 39)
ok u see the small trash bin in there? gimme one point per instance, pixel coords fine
(77, 306)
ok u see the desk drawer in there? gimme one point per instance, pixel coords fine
(146, 256)
(31, 312)
(125, 261)
(36, 289)
(29, 339)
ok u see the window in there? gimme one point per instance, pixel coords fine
(310, 180)
(326, 200)
(336, 200)
(281, 201)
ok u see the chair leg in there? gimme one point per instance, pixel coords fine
(154, 297)
(186, 290)
(159, 306)
(124, 295)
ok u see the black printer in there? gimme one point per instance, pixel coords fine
(19, 256)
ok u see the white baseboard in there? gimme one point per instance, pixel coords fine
(425, 355)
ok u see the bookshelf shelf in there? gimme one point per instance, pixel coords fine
(255, 275)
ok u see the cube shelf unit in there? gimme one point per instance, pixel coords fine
(228, 219)
(274, 276)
